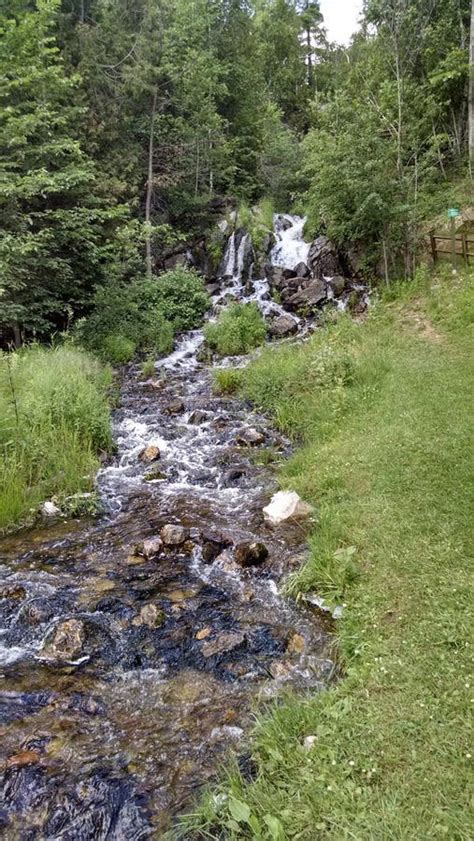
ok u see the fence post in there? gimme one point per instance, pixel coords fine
(433, 247)
(464, 248)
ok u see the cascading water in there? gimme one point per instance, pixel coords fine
(165, 655)
(291, 248)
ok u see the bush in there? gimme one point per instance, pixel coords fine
(144, 314)
(239, 329)
(54, 419)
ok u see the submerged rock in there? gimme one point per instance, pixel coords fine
(65, 642)
(175, 407)
(250, 554)
(150, 615)
(198, 416)
(150, 454)
(284, 506)
(227, 641)
(173, 535)
(212, 545)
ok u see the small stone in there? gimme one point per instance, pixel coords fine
(250, 437)
(309, 742)
(198, 417)
(175, 407)
(227, 641)
(296, 644)
(203, 633)
(22, 758)
(49, 509)
(281, 669)
(154, 476)
(13, 591)
(151, 548)
(212, 545)
(150, 615)
(150, 454)
(286, 506)
(156, 385)
(173, 535)
(250, 554)
(65, 642)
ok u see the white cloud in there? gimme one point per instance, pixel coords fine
(341, 18)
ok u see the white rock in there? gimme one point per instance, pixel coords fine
(49, 509)
(286, 505)
(309, 742)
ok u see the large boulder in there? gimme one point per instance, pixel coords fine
(286, 506)
(309, 296)
(323, 259)
(337, 283)
(283, 326)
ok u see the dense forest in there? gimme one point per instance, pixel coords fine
(125, 124)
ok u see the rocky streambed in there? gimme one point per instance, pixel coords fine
(134, 646)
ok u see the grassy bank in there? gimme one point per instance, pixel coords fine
(382, 411)
(54, 420)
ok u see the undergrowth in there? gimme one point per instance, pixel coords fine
(54, 421)
(239, 329)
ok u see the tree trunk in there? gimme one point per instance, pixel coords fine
(471, 90)
(149, 188)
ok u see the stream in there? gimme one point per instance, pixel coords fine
(129, 675)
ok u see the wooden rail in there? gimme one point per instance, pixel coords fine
(442, 246)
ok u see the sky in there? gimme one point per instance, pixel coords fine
(340, 18)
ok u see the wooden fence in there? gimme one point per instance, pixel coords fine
(442, 246)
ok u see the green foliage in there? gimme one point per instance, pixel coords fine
(179, 294)
(54, 420)
(239, 329)
(148, 367)
(118, 349)
(226, 380)
(390, 478)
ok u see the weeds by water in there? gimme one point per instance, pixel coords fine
(239, 329)
(382, 411)
(54, 420)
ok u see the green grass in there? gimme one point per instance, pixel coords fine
(239, 329)
(226, 380)
(54, 420)
(382, 412)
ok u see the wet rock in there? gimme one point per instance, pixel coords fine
(232, 476)
(173, 535)
(14, 592)
(203, 633)
(150, 615)
(212, 545)
(150, 548)
(296, 644)
(154, 476)
(198, 416)
(226, 731)
(156, 385)
(49, 510)
(250, 437)
(150, 454)
(285, 506)
(224, 642)
(250, 554)
(302, 270)
(36, 611)
(283, 326)
(24, 757)
(175, 407)
(65, 642)
(308, 296)
(337, 284)
(323, 259)
(281, 669)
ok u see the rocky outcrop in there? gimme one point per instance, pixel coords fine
(323, 258)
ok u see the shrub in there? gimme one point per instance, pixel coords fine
(239, 329)
(54, 419)
(148, 367)
(144, 313)
(118, 349)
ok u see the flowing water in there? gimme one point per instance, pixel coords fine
(170, 654)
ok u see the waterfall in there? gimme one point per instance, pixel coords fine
(228, 262)
(291, 248)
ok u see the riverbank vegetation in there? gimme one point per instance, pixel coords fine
(381, 413)
(54, 423)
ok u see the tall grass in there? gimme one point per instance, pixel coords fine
(383, 414)
(54, 420)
